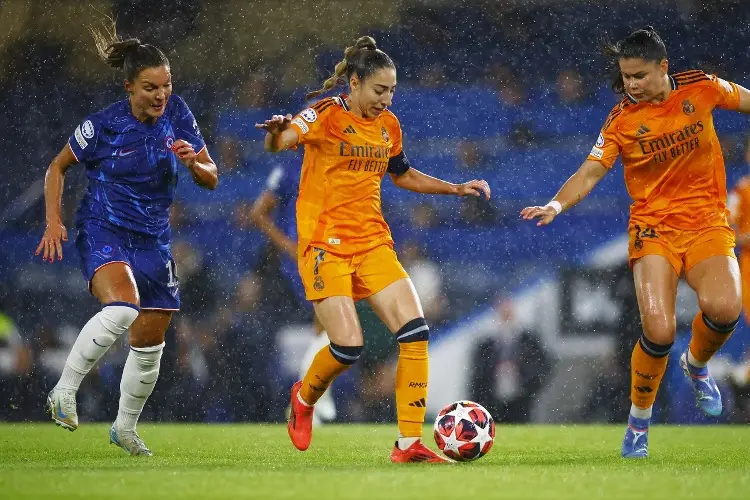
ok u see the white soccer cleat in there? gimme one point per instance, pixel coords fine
(131, 442)
(61, 406)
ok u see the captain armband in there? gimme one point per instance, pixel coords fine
(398, 164)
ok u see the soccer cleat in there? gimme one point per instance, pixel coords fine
(61, 406)
(707, 395)
(635, 444)
(416, 453)
(299, 425)
(131, 442)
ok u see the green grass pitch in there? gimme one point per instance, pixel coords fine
(351, 462)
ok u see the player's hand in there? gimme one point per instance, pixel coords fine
(185, 152)
(276, 125)
(51, 244)
(544, 214)
(475, 188)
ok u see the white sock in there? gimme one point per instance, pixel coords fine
(694, 362)
(138, 381)
(304, 403)
(95, 339)
(640, 412)
(404, 443)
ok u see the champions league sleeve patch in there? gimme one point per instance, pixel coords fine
(309, 115)
(87, 129)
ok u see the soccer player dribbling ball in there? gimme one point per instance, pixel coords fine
(131, 151)
(674, 171)
(345, 250)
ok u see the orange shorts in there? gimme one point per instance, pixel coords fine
(682, 248)
(327, 275)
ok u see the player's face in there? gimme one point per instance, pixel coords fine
(149, 92)
(644, 80)
(375, 93)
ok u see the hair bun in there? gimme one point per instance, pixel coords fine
(367, 43)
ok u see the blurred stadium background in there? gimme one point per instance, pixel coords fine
(537, 324)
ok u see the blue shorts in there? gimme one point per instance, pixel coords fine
(99, 244)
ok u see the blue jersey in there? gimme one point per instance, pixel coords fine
(284, 184)
(131, 169)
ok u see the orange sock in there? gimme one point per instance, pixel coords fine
(647, 366)
(708, 337)
(329, 363)
(411, 377)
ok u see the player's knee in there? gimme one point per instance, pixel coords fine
(722, 309)
(344, 354)
(659, 328)
(118, 316)
(414, 335)
(725, 327)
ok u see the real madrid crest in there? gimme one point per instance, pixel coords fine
(386, 137)
(687, 107)
(318, 284)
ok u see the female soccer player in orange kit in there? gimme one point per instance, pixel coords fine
(674, 171)
(345, 249)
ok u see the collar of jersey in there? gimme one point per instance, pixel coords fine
(131, 120)
(672, 83)
(356, 117)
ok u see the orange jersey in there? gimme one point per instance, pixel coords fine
(674, 168)
(739, 206)
(345, 159)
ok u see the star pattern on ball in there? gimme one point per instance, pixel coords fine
(464, 430)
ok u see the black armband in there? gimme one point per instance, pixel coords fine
(398, 164)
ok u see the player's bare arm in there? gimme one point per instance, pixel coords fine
(279, 136)
(414, 180)
(744, 106)
(54, 181)
(260, 214)
(200, 164)
(576, 188)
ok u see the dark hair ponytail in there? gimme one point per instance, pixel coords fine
(643, 44)
(363, 59)
(130, 55)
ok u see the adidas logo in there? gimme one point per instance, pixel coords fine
(642, 130)
(419, 403)
(350, 130)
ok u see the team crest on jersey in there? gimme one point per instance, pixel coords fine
(318, 284)
(599, 141)
(169, 141)
(106, 250)
(386, 137)
(87, 129)
(687, 107)
(309, 115)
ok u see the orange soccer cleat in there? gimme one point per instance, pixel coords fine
(300, 420)
(416, 453)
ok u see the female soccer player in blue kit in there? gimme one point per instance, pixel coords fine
(131, 151)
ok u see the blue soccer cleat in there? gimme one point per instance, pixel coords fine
(131, 442)
(707, 395)
(635, 444)
(61, 407)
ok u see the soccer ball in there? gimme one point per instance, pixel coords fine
(464, 431)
